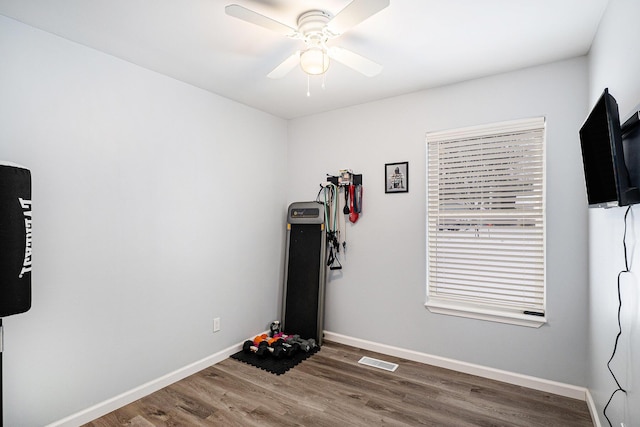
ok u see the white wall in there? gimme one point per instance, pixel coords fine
(614, 62)
(137, 243)
(380, 293)
(157, 206)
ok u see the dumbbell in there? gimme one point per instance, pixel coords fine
(259, 345)
(282, 348)
(304, 345)
(290, 347)
(250, 347)
(263, 345)
(295, 347)
(274, 347)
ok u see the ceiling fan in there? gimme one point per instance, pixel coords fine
(315, 28)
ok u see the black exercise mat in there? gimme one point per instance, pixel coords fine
(271, 364)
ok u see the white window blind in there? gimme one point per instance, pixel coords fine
(486, 222)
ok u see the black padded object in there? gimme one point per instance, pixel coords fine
(303, 286)
(270, 364)
(15, 240)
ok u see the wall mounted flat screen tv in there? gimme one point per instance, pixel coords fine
(605, 171)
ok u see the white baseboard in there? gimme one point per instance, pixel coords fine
(547, 386)
(139, 392)
(591, 404)
(143, 390)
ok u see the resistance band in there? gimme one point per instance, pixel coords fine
(331, 201)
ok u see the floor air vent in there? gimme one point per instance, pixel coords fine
(376, 363)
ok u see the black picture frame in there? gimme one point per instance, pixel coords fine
(396, 177)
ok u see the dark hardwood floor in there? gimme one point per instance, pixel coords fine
(332, 389)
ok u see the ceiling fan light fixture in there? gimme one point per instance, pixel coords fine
(315, 28)
(314, 61)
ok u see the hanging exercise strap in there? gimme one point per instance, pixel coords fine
(331, 222)
(355, 194)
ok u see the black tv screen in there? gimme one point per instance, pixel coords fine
(605, 170)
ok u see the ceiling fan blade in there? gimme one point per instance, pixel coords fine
(252, 17)
(355, 61)
(285, 67)
(354, 13)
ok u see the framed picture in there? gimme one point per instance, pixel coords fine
(396, 177)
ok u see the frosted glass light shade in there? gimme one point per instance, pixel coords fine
(314, 61)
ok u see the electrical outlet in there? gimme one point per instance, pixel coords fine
(216, 324)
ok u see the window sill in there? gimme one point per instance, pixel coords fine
(483, 313)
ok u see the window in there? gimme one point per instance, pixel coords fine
(486, 222)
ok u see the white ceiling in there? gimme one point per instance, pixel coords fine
(420, 43)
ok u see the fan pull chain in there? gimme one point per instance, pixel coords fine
(308, 90)
(324, 77)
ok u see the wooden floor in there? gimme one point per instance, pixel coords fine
(332, 389)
